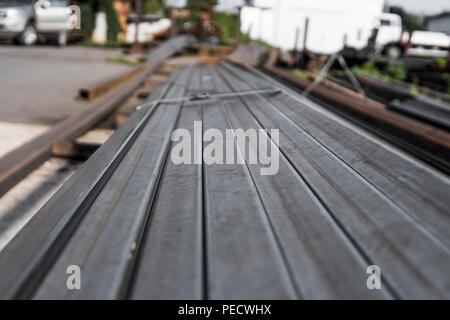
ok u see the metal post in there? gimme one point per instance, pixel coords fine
(297, 35)
(238, 28)
(305, 36)
(172, 22)
(138, 21)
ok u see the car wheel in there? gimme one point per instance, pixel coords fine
(393, 52)
(29, 36)
(62, 39)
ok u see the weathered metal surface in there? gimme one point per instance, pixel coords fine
(141, 227)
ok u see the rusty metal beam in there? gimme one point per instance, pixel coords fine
(95, 90)
(72, 149)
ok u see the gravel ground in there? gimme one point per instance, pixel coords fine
(39, 84)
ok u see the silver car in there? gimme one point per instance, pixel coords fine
(26, 20)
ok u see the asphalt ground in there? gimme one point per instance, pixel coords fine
(39, 84)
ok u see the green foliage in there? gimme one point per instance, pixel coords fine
(226, 22)
(388, 73)
(396, 72)
(89, 8)
(111, 20)
(87, 19)
(441, 63)
(266, 45)
(300, 74)
(368, 68)
(414, 90)
(201, 5)
(411, 22)
(152, 6)
(125, 61)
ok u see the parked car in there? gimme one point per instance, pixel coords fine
(26, 20)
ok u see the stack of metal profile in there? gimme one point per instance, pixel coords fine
(174, 45)
(140, 226)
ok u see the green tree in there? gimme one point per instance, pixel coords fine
(411, 22)
(111, 20)
(87, 18)
(201, 5)
(89, 8)
(152, 6)
(226, 23)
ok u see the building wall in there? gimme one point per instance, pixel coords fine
(441, 24)
(283, 24)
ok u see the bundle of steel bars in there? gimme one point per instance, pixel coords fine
(173, 45)
(140, 226)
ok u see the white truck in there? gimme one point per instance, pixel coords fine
(392, 40)
(26, 20)
(327, 26)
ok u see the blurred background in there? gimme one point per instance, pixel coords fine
(45, 58)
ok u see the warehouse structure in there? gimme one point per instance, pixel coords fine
(439, 23)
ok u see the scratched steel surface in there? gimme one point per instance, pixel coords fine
(141, 227)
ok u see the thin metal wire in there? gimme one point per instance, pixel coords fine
(208, 96)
